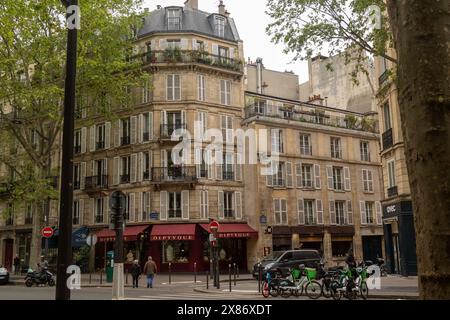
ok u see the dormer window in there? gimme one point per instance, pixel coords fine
(173, 19)
(220, 26)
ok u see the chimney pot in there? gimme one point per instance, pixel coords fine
(221, 8)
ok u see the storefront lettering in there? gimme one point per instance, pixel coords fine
(234, 235)
(391, 209)
(165, 238)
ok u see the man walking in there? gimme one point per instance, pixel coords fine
(17, 265)
(150, 270)
(135, 273)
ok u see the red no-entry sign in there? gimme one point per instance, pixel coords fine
(213, 226)
(47, 232)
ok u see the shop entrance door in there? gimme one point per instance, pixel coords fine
(372, 248)
(8, 244)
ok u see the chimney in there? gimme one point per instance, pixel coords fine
(227, 13)
(192, 4)
(221, 8)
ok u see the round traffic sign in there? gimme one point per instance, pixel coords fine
(91, 240)
(47, 232)
(213, 226)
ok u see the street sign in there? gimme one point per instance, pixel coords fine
(91, 240)
(47, 232)
(212, 237)
(214, 226)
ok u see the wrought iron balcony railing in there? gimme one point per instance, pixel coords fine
(388, 140)
(124, 141)
(96, 182)
(168, 129)
(175, 173)
(392, 192)
(100, 145)
(125, 178)
(77, 149)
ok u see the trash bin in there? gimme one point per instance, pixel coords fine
(109, 266)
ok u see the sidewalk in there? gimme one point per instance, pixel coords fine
(392, 287)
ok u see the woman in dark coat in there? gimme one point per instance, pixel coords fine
(135, 273)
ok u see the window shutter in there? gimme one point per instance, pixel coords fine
(138, 207)
(184, 119)
(349, 212)
(232, 53)
(215, 50)
(83, 175)
(83, 112)
(269, 180)
(276, 211)
(220, 205)
(317, 183)
(132, 207)
(150, 125)
(83, 139)
(185, 204)
(184, 44)
(222, 92)
(364, 179)
(330, 177)
(81, 210)
(238, 166)
(379, 212)
(194, 44)
(117, 134)
(164, 199)
(105, 209)
(177, 86)
(198, 161)
(105, 167)
(133, 168)
(140, 167)
(347, 182)
(219, 171)
(92, 139)
(300, 211)
(319, 211)
(140, 129)
(133, 129)
(238, 199)
(289, 177)
(362, 209)
(203, 204)
(107, 135)
(93, 168)
(116, 171)
(283, 204)
(169, 87)
(298, 174)
(332, 212)
(164, 130)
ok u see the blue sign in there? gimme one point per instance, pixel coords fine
(79, 237)
(154, 216)
(263, 219)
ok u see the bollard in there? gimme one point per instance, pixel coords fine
(207, 279)
(259, 277)
(170, 274)
(234, 269)
(195, 272)
(229, 275)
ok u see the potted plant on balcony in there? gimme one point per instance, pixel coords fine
(172, 55)
(350, 121)
(368, 124)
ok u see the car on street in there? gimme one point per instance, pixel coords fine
(4, 275)
(283, 260)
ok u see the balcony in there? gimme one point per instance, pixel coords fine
(146, 175)
(392, 192)
(177, 56)
(96, 183)
(383, 78)
(228, 213)
(125, 141)
(29, 220)
(100, 145)
(168, 129)
(146, 136)
(77, 149)
(124, 178)
(76, 185)
(279, 183)
(175, 174)
(228, 175)
(302, 113)
(175, 213)
(388, 140)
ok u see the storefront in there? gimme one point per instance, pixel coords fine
(135, 245)
(400, 238)
(341, 241)
(281, 238)
(23, 241)
(308, 237)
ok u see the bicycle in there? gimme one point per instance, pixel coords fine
(299, 280)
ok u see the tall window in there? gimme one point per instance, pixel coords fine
(228, 204)
(76, 176)
(280, 210)
(174, 205)
(391, 173)
(173, 87)
(225, 92)
(370, 212)
(98, 210)
(337, 179)
(201, 87)
(100, 136)
(146, 205)
(227, 166)
(367, 180)
(127, 213)
(203, 204)
(147, 166)
(173, 43)
(220, 26)
(126, 132)
(147, 126)
(146, 91)
(387, 117)
(126, 166)
(279, 176)
(305, 144)
(340, 213)
(364, 150)
(29, 214)
(307, 175)
(77, 142)
(224, 54)
(76, 213)
(173, 19)
(335, 147)
(277, 140)
(309, 212)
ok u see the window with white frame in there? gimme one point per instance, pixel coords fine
(220, 26)
(76, 213)
(335, 147)
(387, 116)
(308, 207)
(126, 168)
(367, 179)
(201, 87)
(77, 142)
(146, 91)
(340, 212)
(100, 136)
(203, 204)
(370, 212)
(173, 87)
(228, 207)
(225, 92)
(146, 206)
(364, 150)
(337, 178)
(98, 213)
(307, 175)
(127, 212)
(125, 134)
(173, 19)
(277, 140)
(175, 205)
(29, 214)
(391, 173)
(280, 211)
(147, 165)
(305, 144)
(76, 176)
(173, 43)
(147, 126)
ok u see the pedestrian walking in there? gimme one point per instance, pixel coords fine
(136, 273)
(16, 264)
(150, 270)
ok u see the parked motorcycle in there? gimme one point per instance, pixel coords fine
(38, 278)
(380, 263)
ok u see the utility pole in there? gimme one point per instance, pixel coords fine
(117, 205)
(66, 203)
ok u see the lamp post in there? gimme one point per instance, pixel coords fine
(66, 202)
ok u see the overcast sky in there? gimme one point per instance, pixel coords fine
(251, 22)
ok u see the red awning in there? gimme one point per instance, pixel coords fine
(162, 232)
(233, 230)
(130, 234)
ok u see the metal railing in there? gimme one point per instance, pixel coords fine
(392, 192)
(228, 213)
(174, 213)
(76, 185)
(96, 182)
(227, 175)
(77, 149)
(146, 136)
(168, 129)
(100, 145)
(176, 55)
(306, 150)
(174, 173)
(277, 182)
(388, 140)
(125, 178)
(124, 141)
(146, 175)
(383, 78)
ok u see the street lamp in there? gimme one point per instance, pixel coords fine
(66, 203)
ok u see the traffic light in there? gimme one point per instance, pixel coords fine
(117, 206)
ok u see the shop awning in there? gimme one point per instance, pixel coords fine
(233, 230)
(164, 232)
(129, 234)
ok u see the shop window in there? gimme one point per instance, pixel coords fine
(175, 252)
(340, 248)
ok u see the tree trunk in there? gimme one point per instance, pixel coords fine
(422, 34)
